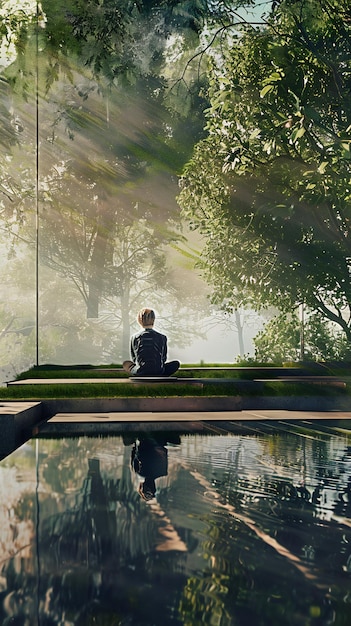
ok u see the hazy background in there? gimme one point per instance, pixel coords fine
(90, 229)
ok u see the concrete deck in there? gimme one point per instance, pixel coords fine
(108, 381)
(17, 420)
(63, 424)
(65, 416)
(171, 416)
(255, 385)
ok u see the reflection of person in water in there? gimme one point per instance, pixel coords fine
(149, 459)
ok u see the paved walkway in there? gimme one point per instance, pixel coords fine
(176, 416)
(70, 423)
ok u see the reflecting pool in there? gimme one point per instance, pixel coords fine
(172, 528)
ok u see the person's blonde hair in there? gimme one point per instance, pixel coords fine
(146, 317)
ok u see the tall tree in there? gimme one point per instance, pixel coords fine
(270, 185)
(105, 129)
(117, 91)
(111, 174)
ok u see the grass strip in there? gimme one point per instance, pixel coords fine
(115, 371)
(106, 390)
(71, 373)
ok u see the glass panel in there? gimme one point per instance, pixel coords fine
(18, 189)
(101, 108)
(102, 104)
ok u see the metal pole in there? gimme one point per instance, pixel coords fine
(37, 530)
(37, 192)
(302, 332)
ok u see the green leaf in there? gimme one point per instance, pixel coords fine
(266, 90)
(346, 145)
(322, 167)
(297, 133)
(255, 133)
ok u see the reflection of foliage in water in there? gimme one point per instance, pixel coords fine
(96, 561)
(244, 580)
(95, 545)
(266, 490)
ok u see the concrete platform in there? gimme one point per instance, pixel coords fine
(171, 416)
(310, 380)
(170, 381)
(17, 420)
(143, 380)
(67, 381)
(63, 424)
(265, 368)
(109, 381)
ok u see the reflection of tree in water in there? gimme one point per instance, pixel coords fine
(246, 577)
(111, 533)
(295, 505)
(285, 506)
(244, 574)
(342, 507)
(96, 559)
(17, 531)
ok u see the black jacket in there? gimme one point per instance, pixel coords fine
(148, 350)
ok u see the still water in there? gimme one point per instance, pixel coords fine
(182, 529)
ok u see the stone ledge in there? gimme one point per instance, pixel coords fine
(254, 384)
(195, 403)
(20, 420)
(213, 422)
(17, 420)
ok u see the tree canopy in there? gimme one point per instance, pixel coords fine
(270, 185)
(101, 109)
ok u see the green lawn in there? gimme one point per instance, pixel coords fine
(168, 389)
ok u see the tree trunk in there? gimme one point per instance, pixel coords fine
(240, 328)
(125, 322)
(93, 298)
(97, 264)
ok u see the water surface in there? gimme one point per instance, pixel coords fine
(251, 528)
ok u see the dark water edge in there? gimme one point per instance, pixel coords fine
(249, 527)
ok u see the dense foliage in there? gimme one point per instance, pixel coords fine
(102, 105)
(286, 338)
(97, 126)
(270, 185)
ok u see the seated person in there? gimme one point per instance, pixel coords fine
(148, 350)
